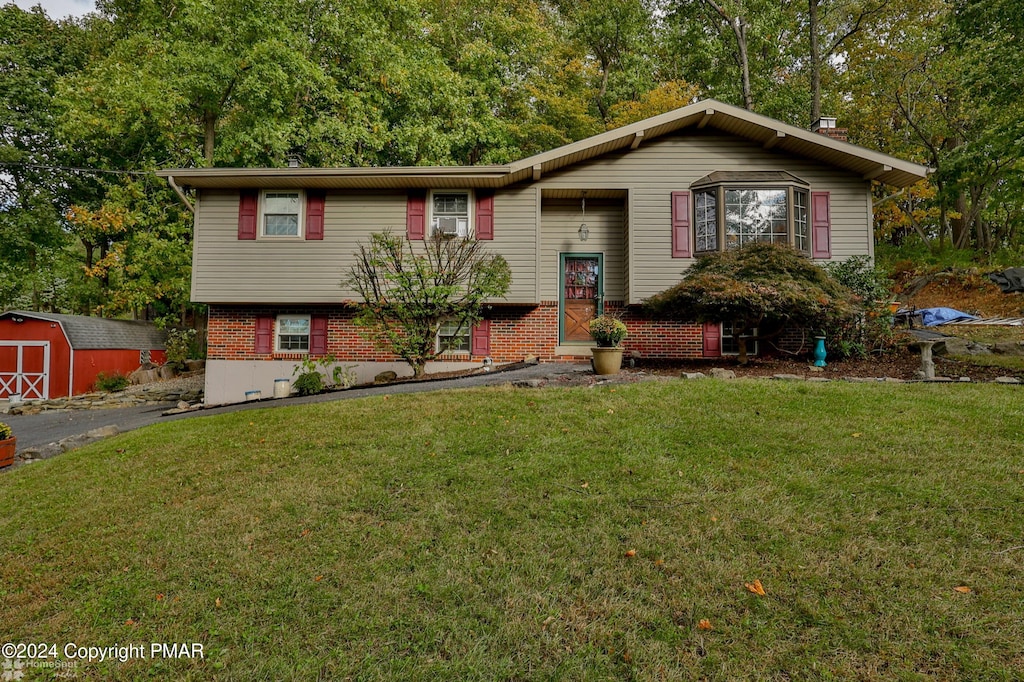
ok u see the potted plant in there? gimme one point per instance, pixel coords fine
(7, 445)
(608, 332)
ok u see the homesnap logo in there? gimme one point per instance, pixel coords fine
(12, 670)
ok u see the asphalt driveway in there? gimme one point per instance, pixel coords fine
(38, 430)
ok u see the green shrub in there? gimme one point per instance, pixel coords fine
(179, 347)
(309, 383)
(111, 383)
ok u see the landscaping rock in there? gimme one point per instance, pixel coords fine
(531, 360)
(167, 372)
(722, 373)
(956, 346)
(103, 432)
(195, 365)
(1015, 348)
(385, 377)
(787, 377)
(144, 376)
(1007, 380)
(692, 375)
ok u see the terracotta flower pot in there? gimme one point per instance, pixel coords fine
(607, 360)
(7, 448)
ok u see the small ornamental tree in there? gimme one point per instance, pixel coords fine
(410, 289)
(763, 287)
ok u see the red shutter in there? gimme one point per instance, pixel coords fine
(416, 215)
(247, 200)
(315, 214)
(821, 225)
(712, 340)
(484, 215)
(681, 225)
(264, 334)
(480, 338)
(318, 335)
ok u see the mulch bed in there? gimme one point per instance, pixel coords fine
(897, 364)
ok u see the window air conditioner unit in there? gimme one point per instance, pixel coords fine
(449, 225)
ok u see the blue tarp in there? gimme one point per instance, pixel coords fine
(935, 316)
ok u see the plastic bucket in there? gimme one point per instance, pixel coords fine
(282, 388)
(253, 395)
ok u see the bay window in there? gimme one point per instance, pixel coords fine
(732, 209)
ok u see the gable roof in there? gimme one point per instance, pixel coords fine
(92, 333)
(772, 134)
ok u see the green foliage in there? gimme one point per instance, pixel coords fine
(608, 331)
(111, 383)
(410, 289)
(312, 373)
(178, 346)
(760, 286)
(309, 383)
(5, 431)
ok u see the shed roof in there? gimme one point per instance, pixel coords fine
(92, 333)
(709, 113)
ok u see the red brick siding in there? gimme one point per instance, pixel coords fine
(515, 333)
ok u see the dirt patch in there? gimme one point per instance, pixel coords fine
(970, 291)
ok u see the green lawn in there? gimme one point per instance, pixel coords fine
(487, 534)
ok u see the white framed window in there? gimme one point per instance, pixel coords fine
(452, 339)
(451, 213)
(730, 343)
(292, 334)
(281, 213)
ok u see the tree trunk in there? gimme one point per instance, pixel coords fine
(209, 135)
(812, 28)
(739, 29)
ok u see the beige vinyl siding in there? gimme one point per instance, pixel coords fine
(560, 224)
(653, 171)
(228, 270)
(515, 238)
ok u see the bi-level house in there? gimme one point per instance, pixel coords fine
(597, 225)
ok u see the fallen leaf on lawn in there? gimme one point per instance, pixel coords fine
(387, 397)
(305, 532)
(130, 622)
(631, 552)
(856, 435)
(714, 518)
(159, 597)
(756, 587)
(584, 485)
(263, 440)
(704, 624)
(318, 578)
(659, 562)
(962, 589)
(217, 602)
(547, 622)
(611, 411)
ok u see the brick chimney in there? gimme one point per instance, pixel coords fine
(826, 125)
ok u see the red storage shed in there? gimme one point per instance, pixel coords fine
(46, 355)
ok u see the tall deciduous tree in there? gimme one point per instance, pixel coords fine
(35, 53)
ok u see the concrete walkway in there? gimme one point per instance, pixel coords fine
(39, 430)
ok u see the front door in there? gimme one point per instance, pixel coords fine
(24, 369)
(582, 296)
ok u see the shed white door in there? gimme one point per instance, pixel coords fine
(25, 369)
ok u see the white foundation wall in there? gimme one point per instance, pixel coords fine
(227, 381)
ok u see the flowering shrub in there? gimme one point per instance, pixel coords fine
(5, 431)
(607, 331)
